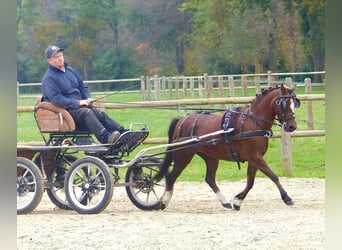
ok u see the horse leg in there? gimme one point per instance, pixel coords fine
(251, 171)
(210, 179)
(268, 172)
(179, 164)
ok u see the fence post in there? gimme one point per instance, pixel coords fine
(185, 87)
(170, 86)
(148, 88)
(156, 87)
(244, 85)
(286, 145)
(221, 86)
(231, 86)
(163, 87)
(142, 87)
(200, 87)
(270, 79)
(205, 83)
(257, 84)
(177, 88)
(286, 153)
(192, 86)
(309, 115)
(210, 87)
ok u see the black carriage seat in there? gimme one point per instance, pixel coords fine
(59, 124)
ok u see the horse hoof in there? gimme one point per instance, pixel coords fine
(289, 203)
(236, 207)
(162, 206)
(227, 205)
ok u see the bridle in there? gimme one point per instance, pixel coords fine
(282, 102)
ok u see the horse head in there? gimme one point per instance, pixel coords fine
(285, 104)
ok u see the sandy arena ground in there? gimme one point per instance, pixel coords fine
(194, 220)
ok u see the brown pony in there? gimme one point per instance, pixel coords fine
(251, 127)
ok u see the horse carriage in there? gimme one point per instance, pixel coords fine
(79, 174)
(76, 172)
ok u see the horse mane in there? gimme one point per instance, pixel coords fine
(264, 92)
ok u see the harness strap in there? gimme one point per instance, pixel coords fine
(229, 140)
(180, 126)
(193, 125)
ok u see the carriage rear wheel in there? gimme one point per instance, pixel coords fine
(30, 185)
(143, 191)
(56, 191)
(89, 185)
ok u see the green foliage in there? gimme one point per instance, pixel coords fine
(116, 64)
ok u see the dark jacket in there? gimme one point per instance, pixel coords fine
(64, 89)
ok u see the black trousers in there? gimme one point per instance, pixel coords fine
(95, 121)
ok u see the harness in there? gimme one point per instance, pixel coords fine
(229, 120)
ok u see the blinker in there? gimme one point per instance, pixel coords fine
(296, 103)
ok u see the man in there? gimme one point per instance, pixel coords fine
(64, 87)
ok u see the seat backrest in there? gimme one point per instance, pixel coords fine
(51, 118)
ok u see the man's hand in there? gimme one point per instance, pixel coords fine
(87, 102)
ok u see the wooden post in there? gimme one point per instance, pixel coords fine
(270, 79)
(244, 85)
(257, 84)
(309, 114)
(177, 88)
(156, 87)
(286, 153)
(192, 87)
(205, 78)
(221, 86)
(148, 88)
(231, 86)
(170, 85)
(221, 89)
(200, 88)
(288, 81)
(163, 87)
(185, 87)
(210, 87)
(143, 89)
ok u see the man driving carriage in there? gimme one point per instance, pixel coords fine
(64, 87)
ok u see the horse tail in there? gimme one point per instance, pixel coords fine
(168, 156)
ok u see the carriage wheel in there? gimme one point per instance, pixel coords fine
(56, 191)
(88, 185)
(144, 192)
(30, 185)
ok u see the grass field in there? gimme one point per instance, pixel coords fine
(308, 152)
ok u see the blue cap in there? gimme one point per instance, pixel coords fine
(52, 50)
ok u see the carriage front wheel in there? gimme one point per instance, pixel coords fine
(143, 191)
(89, 185)
(30, 185)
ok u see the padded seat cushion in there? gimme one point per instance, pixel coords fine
(51, 118)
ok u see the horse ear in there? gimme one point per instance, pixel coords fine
(293, 87)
